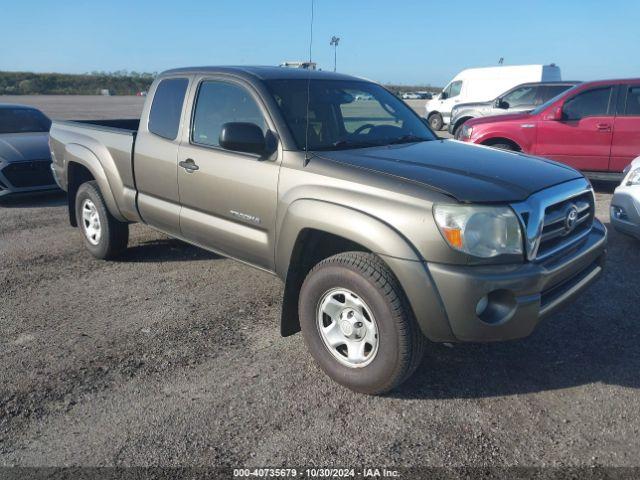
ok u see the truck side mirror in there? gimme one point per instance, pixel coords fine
(555, 114)
(242, 137)
(500, 103)
(443, 95)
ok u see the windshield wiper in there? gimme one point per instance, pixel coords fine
(345, 144)
(407, 139)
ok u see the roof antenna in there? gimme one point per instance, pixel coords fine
(306, 130)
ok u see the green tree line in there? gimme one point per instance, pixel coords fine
(118, 83)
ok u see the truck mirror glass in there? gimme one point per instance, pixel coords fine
(242, 137)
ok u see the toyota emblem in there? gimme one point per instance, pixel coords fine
(571, 219)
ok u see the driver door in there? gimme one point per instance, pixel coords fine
(582, 138)
(452, 92)
(228, 198)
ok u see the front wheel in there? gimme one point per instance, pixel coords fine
(357, 324)
(435, 121)
(104, 236)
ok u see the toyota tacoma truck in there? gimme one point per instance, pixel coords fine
(383, 234)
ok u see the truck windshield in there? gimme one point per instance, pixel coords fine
(345, 114)
(20, 120)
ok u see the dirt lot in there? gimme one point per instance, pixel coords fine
(172, 356)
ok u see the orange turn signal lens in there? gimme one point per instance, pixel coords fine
(453, 236)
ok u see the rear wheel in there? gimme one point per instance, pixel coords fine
(435, 121)
(357, 324)
(104, 236)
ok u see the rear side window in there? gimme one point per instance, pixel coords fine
(591, 103)
(164, 118)
(633, 101)
(219, 103)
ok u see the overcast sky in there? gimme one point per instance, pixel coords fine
(419, 42)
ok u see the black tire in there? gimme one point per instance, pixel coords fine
(400, 340)
(435, 121)
(114, 235)
(503, 146)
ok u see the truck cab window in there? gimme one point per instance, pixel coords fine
(633, 101)
(219, 103)
(587, 104)
(164, 117)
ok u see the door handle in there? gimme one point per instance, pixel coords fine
(604, 127)
(189, 165)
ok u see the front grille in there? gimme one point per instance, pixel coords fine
(34, 173)
(565, 222)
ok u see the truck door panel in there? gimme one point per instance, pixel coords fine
(582, 139)
(156, 157)
(229, 202)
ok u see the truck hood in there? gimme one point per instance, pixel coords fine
(17, 147)
(467, 172)
(510, 117)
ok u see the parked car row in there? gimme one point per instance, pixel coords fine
(521, 98)
(484, 84)
(417, 96)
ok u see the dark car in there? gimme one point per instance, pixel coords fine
(25, 161)
(522, 98)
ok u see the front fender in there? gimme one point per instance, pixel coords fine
(376, 236)
(359, 227)
(82, 155)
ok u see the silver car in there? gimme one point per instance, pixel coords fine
(25, 161)
(625, 204)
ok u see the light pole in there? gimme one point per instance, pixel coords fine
(334, 43)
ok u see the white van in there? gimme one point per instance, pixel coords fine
(483, 84)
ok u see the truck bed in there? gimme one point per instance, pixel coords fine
(127, 124)
(111, 143)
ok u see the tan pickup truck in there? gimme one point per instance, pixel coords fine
(383, 234)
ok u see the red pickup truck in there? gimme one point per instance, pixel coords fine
(594, 127)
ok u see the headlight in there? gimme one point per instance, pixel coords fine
(466, 131)
(481, 231)
(633, 177)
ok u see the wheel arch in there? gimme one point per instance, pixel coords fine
(83, 165)
(310, 233)
(489, 142)
(460, 122)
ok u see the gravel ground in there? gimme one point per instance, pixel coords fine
(172, 356)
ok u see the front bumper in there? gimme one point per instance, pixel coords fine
(25, 177)
(519, 296)
(625, 210)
